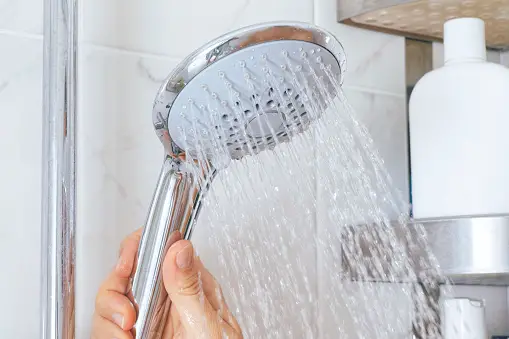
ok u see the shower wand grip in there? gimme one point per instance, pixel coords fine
(174, 207)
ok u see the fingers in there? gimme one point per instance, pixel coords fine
(105, 329)
(118, 279)
(111, 303)
(214, 295)
(210, 286)
(116, 308)
(127, 255)
(230, 332)
(181, 277)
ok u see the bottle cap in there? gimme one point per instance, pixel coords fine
(464, 39)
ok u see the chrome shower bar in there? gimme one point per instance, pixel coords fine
(58, 177)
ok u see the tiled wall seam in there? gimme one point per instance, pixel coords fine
(21, 35)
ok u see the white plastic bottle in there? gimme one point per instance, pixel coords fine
(459, 130)
(463, 318)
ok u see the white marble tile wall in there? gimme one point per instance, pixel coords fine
(21, 17)
(20, 173)
(126, 50)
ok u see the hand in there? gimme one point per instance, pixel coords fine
(197, 309)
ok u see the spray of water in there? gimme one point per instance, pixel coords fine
(305, 236)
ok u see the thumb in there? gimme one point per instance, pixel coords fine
(181, 277)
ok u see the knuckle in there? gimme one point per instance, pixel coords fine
(190, 285)
(102, 300)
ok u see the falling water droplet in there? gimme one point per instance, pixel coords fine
(348, 165)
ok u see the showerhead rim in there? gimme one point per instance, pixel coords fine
(222, 47)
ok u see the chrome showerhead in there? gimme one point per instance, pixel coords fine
(238, 95)
(248, 90)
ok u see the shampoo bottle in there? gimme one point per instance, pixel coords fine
(459, 130)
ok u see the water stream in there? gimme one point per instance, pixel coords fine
(309, 238)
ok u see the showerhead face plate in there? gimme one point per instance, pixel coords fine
(248, 91)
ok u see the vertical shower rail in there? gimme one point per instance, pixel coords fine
(58, 176)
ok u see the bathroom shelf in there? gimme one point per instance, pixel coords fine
(470, 251)
(424, 19)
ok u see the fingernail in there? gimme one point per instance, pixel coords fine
(118, 319)
(185, 257)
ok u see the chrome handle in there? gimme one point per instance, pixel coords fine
(175, 206)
